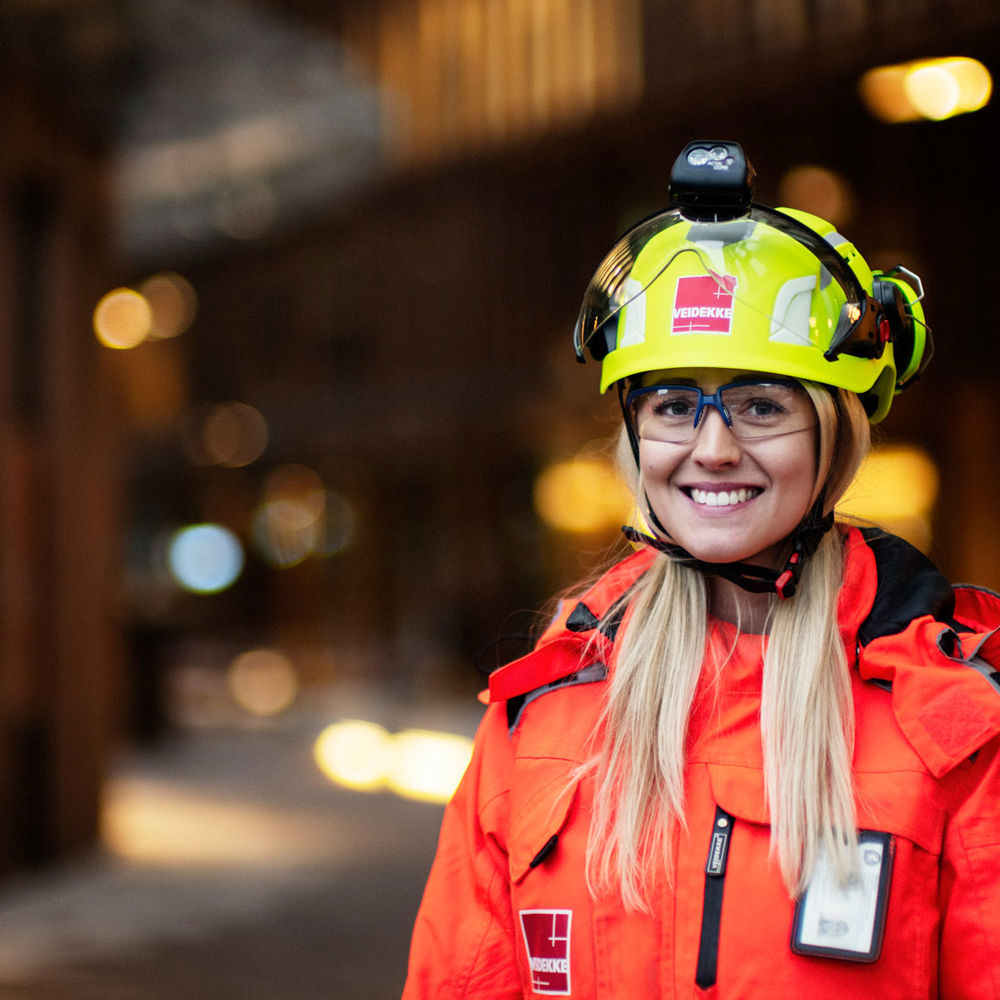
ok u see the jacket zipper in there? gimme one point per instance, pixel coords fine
(711, 915)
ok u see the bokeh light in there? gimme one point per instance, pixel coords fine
(163, 306)
(939, 90)
(818, 190)
(428, 765)
(339, 525)
(263, 681)
(896, 488)
(355, 754)
(298, 518)
(582, 495)
(932, 89)
(205, 558)
(122, 319)
(233, 435)
(173, 303)
(415, 763)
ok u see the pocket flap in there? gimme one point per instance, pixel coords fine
(542, 795)
(740, 791)
(898, 802)
(903, 803)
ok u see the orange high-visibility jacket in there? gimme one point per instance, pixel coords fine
(507, 913)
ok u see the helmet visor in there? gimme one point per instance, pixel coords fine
(652, 248)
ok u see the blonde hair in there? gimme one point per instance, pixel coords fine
(640, 761)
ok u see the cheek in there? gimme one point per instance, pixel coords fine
(797, 473)
(655, 464)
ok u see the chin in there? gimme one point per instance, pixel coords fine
(731, 557)
(768, 556)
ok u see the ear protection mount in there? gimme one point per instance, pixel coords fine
(898, 292)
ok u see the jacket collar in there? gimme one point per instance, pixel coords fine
(911, 632)
(907, 584)
(559, 652)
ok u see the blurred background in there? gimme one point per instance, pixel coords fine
(291, 431)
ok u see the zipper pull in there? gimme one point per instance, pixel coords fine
(718, 850)
(547, 848)
(711, 913)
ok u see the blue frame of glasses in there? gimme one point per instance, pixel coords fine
(713, 399)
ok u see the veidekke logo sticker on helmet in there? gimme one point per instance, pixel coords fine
(703, 303)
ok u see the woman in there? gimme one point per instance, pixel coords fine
(758, 758)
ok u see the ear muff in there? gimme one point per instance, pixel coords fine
(899, 291)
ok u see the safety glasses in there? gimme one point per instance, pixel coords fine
(751, 409)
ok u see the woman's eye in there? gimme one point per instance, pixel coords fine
(764, 408)
(672, 408)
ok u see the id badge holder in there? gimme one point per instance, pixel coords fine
(847, 922)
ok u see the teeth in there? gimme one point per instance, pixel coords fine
(726, 498)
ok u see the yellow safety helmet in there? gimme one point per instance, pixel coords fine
(721, 282)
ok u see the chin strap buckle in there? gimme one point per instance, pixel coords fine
(788, 580)
(807, 540)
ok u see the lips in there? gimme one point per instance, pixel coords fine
(717, 497)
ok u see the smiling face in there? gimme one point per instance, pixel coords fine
(724, 498)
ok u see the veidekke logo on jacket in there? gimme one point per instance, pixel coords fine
(546, 937)
(703, 303)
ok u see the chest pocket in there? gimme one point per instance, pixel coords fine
(543, 794)
(757, 911)
(548, 891)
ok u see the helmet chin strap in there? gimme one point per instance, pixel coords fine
(755, 579)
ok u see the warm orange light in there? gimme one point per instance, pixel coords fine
(429, 765)
(296, 482)
(818, 190)
(290, 522)
(286, 531)
(896, 488)
(581, 495)
(355, 754)
(415, 763)
(932, 89)
(173, 303)
(122, 319)
(234, 435)
(882, 90)
(263, 681)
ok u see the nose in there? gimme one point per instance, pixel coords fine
(715, 445)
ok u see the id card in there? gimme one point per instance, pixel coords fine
(847, 922)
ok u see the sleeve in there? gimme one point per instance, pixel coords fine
(464, 939)
(970, 886)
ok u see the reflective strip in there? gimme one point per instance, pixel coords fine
(591, 674)
(634, 326)
(792, 309)
(977, 663)
(987, 670)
